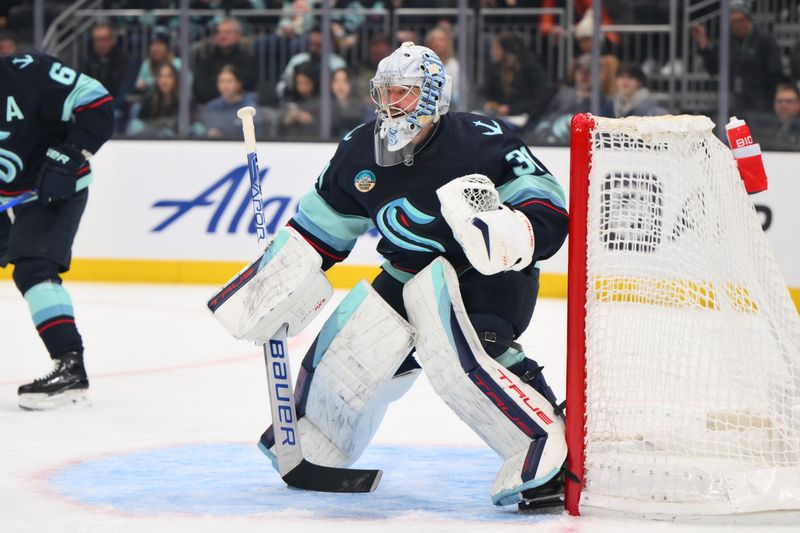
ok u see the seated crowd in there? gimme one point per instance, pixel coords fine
(228, 70)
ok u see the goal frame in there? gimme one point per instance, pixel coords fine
(580, 166)
(758, 493)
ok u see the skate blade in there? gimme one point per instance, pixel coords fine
(47, 402)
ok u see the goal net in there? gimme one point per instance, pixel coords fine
(683, 384)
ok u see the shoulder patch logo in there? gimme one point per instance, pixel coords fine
(365, 181)
(491, 129)
(24, 61)
(350, 133)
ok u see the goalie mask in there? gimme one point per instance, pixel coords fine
(411, 91)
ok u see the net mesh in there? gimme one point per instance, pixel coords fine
(692, 340)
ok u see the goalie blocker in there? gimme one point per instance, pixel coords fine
(285, 285)
(280, 292)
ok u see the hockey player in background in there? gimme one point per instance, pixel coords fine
(464, 211)
(54, 119)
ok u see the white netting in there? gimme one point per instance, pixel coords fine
(692, 340)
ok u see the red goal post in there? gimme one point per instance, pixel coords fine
(580, 161)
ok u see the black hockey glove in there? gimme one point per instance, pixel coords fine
(59, 173)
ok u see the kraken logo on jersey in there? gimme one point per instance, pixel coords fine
(364, 181)
(10, 165)
(393, 222)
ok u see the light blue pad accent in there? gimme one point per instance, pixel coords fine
(443, 301)
(271, 456)
(47, 300)
(275, 246)
(338, 319)
(510, 357)
(512, 496)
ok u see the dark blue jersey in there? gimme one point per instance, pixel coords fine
(353, 194)
(44, 103)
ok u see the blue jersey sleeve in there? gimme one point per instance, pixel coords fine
(71, 97)
(527, 185)
(328, 217)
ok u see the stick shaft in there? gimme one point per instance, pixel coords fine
(249, 131)
(276, 353)
(22, 198)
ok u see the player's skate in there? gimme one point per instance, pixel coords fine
(65, 385)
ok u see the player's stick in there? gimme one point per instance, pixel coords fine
(22, 198)
(293, 468)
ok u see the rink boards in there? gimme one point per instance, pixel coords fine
(179, 212)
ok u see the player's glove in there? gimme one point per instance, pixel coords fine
(494, 237)
(59, 173)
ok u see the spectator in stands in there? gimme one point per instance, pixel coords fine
(227, 50)
(794, 58)
(311, 58)
(347, 108)
(582, 10)
(157, 114)
(440, 40)
(517, 89)
(158, 54)
(756, 67)
(220, 113)
(575, 97)
(345, 26)
(609, 63)
(108, 63)
(633, 98)
(229, 4)
(300, 112)
(380, 46)
(780, 130)
(297, 19)
(8, 45)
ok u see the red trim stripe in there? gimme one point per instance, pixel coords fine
(56, 323)
(404, 269)
(13, 194)
(554, 208)
(319, 249)
(96, 103)
(85, 169)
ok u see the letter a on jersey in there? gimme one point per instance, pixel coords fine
(12, 110)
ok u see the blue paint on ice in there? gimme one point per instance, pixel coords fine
(235, 479)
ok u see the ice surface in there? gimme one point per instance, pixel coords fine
(177, 407)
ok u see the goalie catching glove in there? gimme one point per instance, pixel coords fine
(495, 238)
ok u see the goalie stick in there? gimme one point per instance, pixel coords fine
(294, 469)
(21, 199)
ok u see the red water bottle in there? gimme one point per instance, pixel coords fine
(747, 154)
